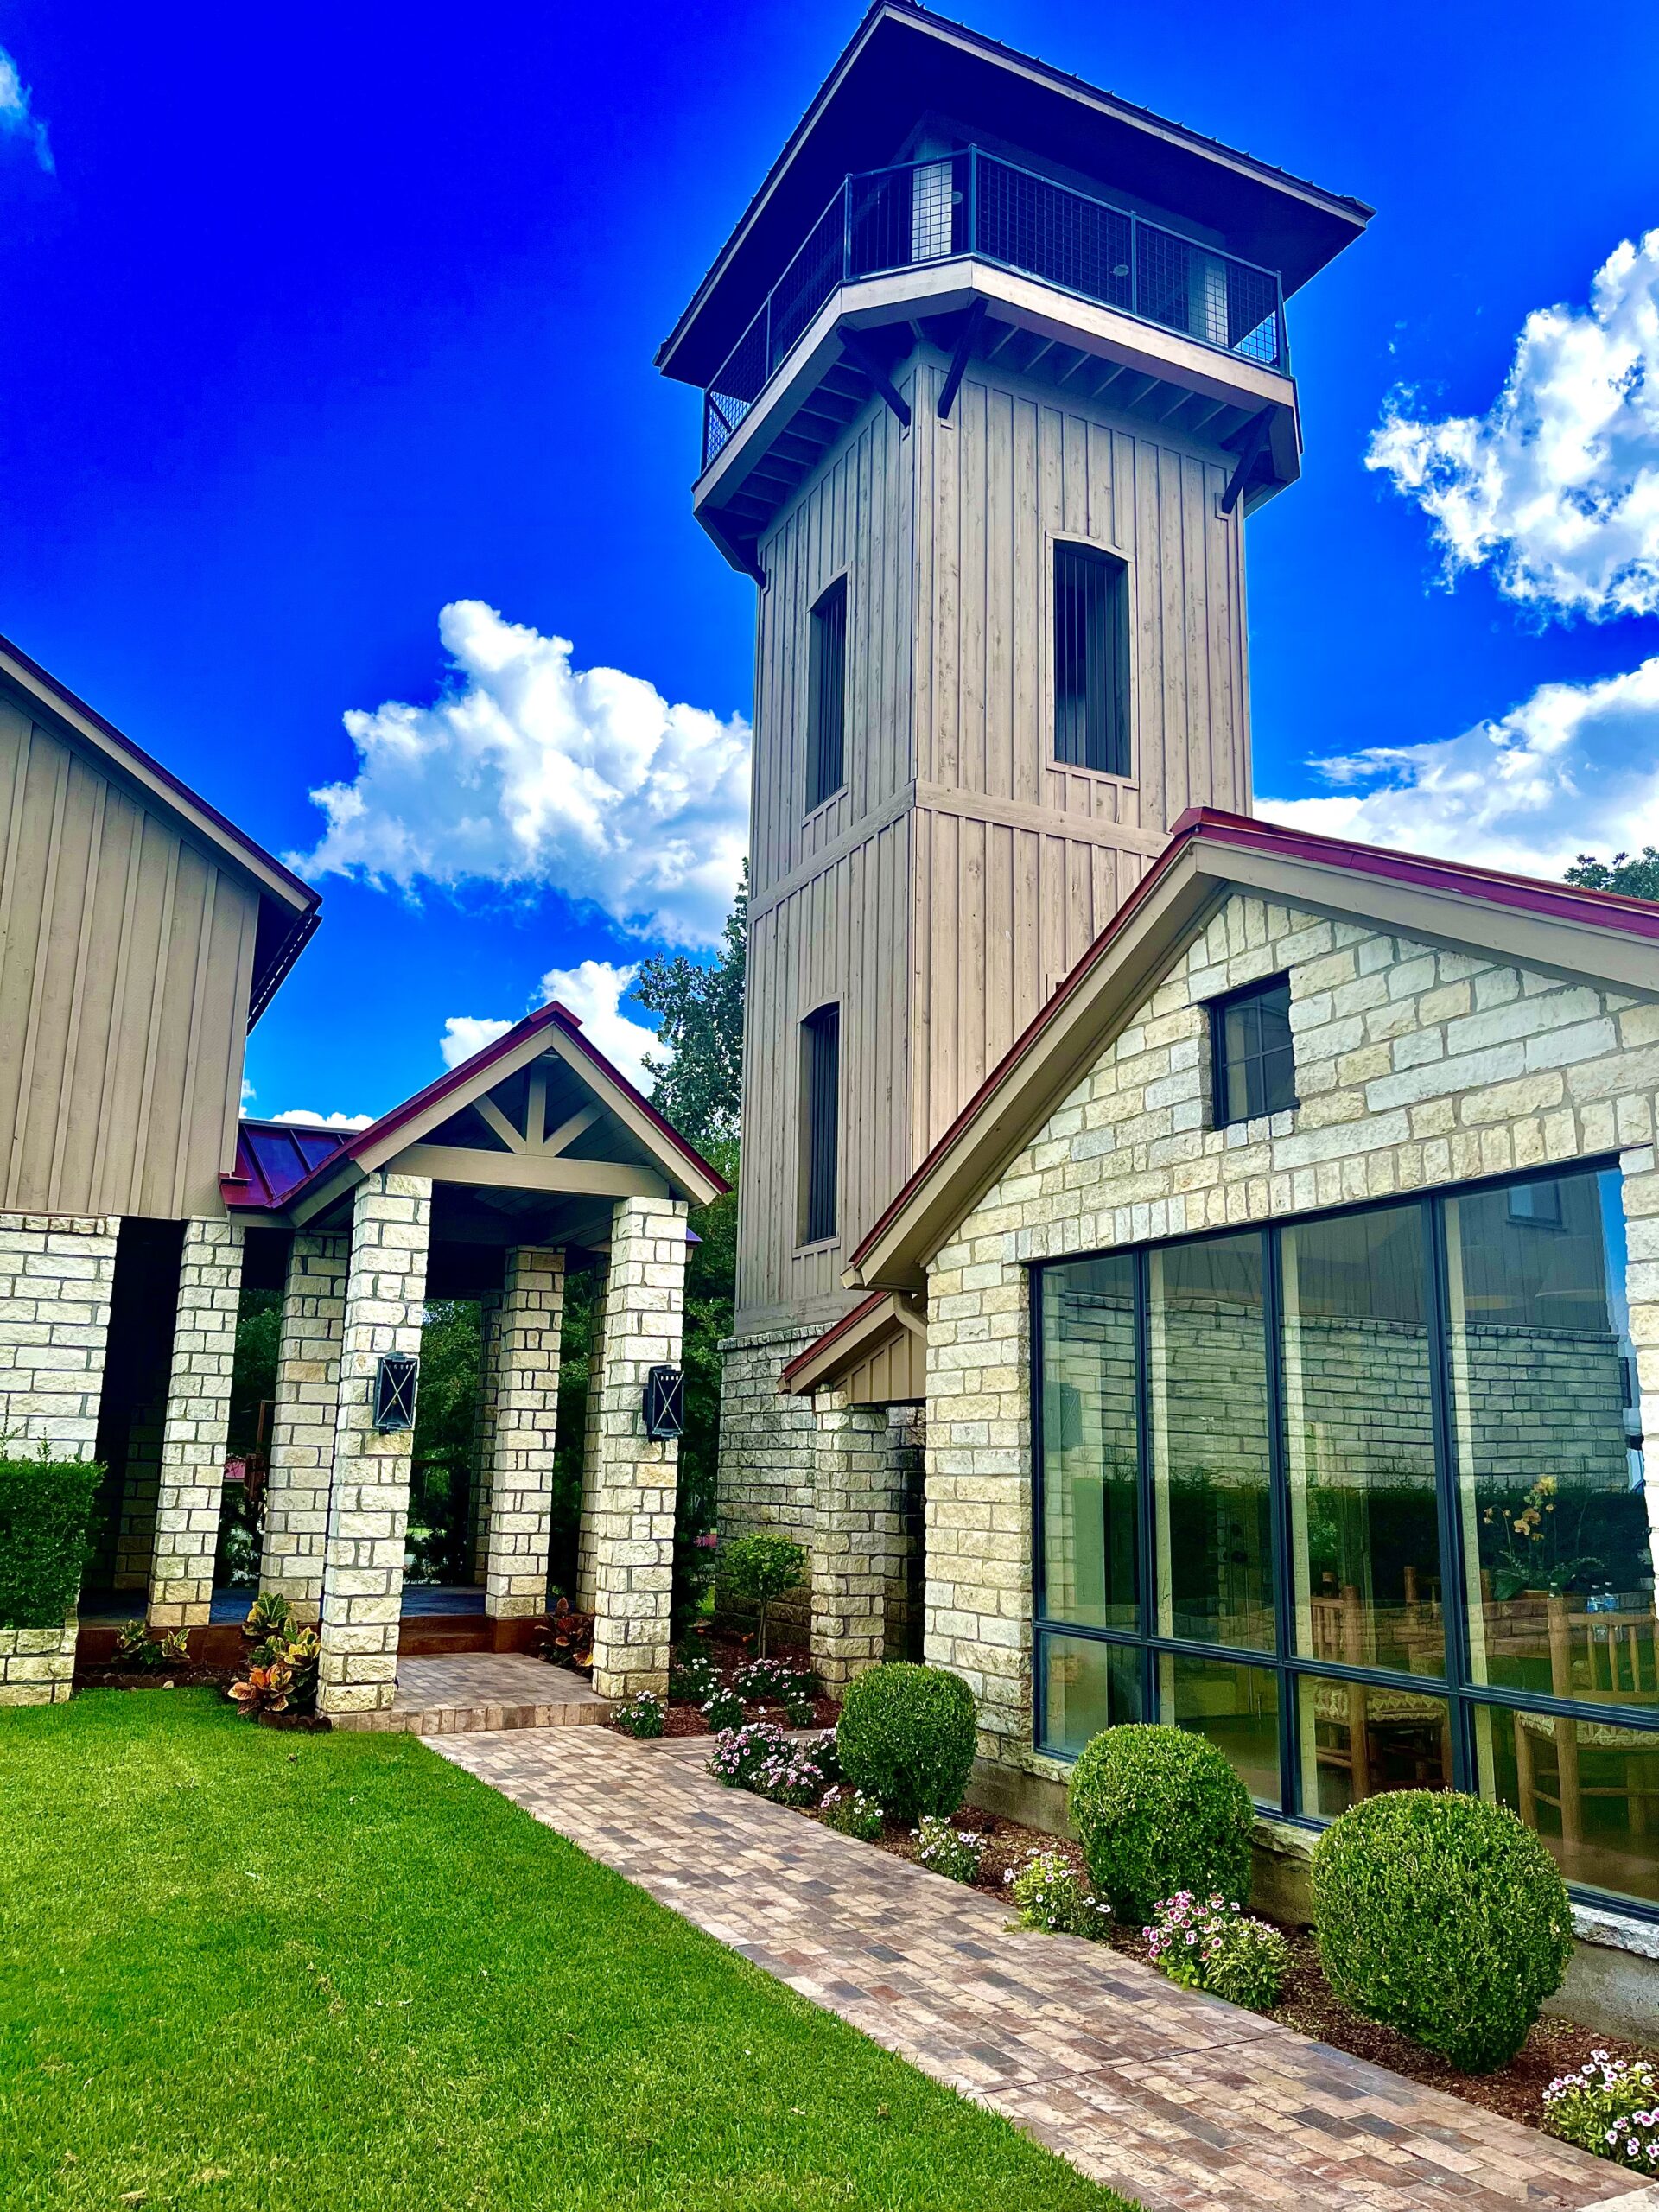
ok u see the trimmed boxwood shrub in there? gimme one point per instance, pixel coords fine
(906, 1738)
(1443, 1917)
(1159, 1809)
(46, 1506)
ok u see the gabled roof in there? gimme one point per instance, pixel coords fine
(268, 1154)
(1598, 935)
(904, 62)
(288, 911)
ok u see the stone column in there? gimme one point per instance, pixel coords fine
(587, 1531)
(858, 1536)
(368, 1504)
(526, 1416)
(194, 1436)
(56, 1274)
(489, 1340)
(634, 1478)
(302, 1420)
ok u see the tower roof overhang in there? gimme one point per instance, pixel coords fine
(1596, 936)
(905, 63)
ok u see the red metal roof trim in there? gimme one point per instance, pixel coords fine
(273, 1158)
(253, 1174)
(1604, 910)
(792, 1367)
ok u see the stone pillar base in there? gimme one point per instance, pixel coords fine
(858, 1540)
(37, 1664)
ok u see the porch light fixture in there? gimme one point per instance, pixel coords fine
(395, 1380)
(664, 1404)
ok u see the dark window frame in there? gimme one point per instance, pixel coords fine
(1463, 1694)
(1225, 1111)
(1090, 638)
(826, 709)
(820, 1131)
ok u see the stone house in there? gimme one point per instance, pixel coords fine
(1290, 1298)
(141, 936)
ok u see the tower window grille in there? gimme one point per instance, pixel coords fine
(826, 730)
(1091, 719)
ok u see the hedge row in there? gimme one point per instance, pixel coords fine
(46, 1509)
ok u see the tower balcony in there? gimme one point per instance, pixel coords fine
(1056, 282)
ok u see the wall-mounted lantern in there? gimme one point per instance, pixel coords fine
(664, 1403)
(394, 1382)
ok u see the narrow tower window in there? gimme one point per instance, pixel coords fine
(820, 1122)
(1091, 689)
(826, 720)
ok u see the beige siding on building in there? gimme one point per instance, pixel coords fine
(943, 895)
(126, 955)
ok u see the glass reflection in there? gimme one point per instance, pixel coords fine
(1359, 1439)
(1590, 1788)
(1360, 1738)
(1235, 1706)
(1208, 1377)
(1086, 1686)
(1090, 1501)
(1556, 1536)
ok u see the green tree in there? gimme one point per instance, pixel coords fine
(1636, 879)
(700, 1088)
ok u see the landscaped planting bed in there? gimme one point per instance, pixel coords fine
(1152, 1800)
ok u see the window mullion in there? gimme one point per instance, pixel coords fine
(1453, 1587)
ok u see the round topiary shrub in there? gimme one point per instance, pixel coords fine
(1159, 1809)
(906, 1738)
(1443, 1917)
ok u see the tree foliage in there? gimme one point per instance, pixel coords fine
(699, 1089)
(1636, 878)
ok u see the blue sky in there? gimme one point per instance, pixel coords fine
(325, 322)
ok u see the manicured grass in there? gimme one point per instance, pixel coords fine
(241, 1968)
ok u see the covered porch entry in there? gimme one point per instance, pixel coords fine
(492, 1187)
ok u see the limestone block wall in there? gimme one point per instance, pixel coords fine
(593, 1430)
(859, 1536)
(489, 1316)
(525, 1431)
(303, 1418)
(196, 1423)
(635, 1477)
(36, 1664)
(56, 1272)
(368, 1510)
(1416, 1068)
(768, 1456)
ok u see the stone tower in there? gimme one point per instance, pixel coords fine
(995, 367)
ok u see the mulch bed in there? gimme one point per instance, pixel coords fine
(154, 1678)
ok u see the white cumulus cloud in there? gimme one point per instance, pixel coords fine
(528, 772)
(466, 1033)
(592, 991)
(1556, 488)
(1574, 768)
(311, 1120)
(17, 119)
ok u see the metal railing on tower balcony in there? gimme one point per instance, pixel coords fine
(973, 203)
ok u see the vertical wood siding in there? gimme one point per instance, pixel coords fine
(125, 957)
(945, 893)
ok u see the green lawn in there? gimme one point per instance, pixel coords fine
(241, 1968)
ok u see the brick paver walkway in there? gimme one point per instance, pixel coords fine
(1173, 2098)
(481, 1690)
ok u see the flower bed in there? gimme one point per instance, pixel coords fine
(1556, 2048)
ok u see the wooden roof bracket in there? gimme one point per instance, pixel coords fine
(958, 369)
(863, 356)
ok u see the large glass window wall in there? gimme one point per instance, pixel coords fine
(1359, 1497)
